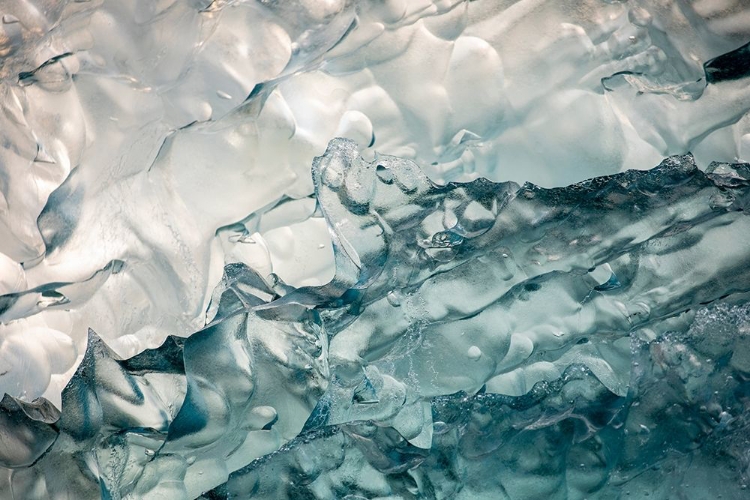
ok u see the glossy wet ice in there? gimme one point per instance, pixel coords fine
(193, 296)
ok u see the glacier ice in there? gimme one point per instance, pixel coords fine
(481, 288)
(467, 326)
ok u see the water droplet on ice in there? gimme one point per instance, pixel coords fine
(394, 298)
(474, 352)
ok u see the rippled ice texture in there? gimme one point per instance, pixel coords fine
(187, 310)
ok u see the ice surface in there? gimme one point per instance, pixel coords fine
(559, 338)
(471, 295)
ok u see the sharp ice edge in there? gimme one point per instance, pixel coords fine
(467, 328)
